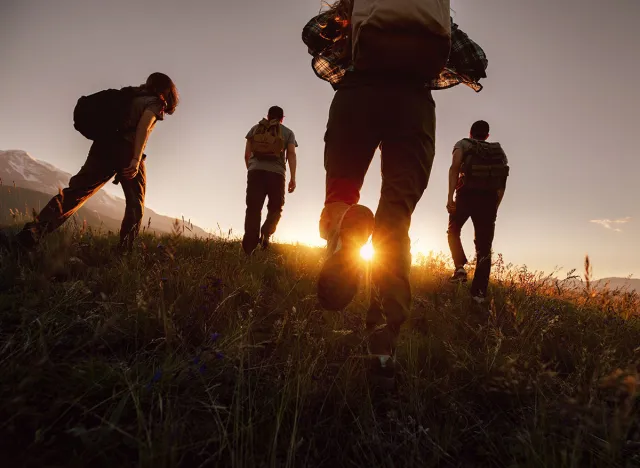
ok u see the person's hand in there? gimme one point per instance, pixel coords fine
(292, 185)
(131, 171)
(451, 206)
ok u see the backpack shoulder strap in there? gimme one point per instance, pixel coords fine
(468, 153)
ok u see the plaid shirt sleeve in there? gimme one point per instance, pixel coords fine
(324, 37)
(467, 63)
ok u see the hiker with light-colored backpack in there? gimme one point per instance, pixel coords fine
(383, 58)
(270, 145)
(119, 123)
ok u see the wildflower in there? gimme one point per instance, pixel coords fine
(156, 378)
(219, 355)
(215, 336)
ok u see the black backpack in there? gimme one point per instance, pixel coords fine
(103, 115)
(484, 166)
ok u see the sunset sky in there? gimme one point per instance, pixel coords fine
(560, 96)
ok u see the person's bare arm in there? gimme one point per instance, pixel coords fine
(247, 153)
(454, 175)
(500, 196)
(144, 129)
(292, 157)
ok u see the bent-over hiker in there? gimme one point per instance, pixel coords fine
(478, 177)
(119, 122)
(269, 146)
(384, 76)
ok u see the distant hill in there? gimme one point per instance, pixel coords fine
(631, 284)
(43, 180)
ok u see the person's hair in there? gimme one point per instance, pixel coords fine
(480, 130)
(161, 84)
(343, 9)
(275, 113)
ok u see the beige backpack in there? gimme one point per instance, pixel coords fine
(409, 37)
(267, 141)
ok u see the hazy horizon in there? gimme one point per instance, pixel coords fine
(559, 97)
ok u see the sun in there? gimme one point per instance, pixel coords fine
(367, 252)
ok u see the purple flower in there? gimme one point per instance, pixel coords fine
(156, 378)
(219, 355)
(215, 336)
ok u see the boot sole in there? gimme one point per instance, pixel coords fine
(338, 280)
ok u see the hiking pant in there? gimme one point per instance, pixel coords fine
(482, 208)
(401, 121)
(105, 159)
(260, 185)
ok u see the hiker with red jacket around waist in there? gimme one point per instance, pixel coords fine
(269, 146)
(119, 122)
(478, 177)
(384, 72)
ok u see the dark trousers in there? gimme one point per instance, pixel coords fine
(401, 121)
(260, 185)
(482, 208)
(105, 159)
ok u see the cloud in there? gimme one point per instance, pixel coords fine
(611, 223)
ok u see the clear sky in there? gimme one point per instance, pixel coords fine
(560, 96)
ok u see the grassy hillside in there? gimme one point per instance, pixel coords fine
(186, 353)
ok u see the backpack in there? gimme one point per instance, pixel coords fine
(103, 115)
(267, 141)
(404, 37)
(484, 166)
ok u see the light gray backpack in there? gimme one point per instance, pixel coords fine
(408, 37)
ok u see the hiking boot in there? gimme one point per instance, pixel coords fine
(249, 244)
(459, 276)
(480, 310)
(382, 372)
(382, 369)
(339, 277)
(265, 241)
(479, 299)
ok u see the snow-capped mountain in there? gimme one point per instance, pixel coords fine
(19, 168)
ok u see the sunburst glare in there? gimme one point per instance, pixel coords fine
(367, 252)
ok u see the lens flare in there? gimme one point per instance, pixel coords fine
(367, 252)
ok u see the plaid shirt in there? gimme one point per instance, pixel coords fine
(324, 36)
